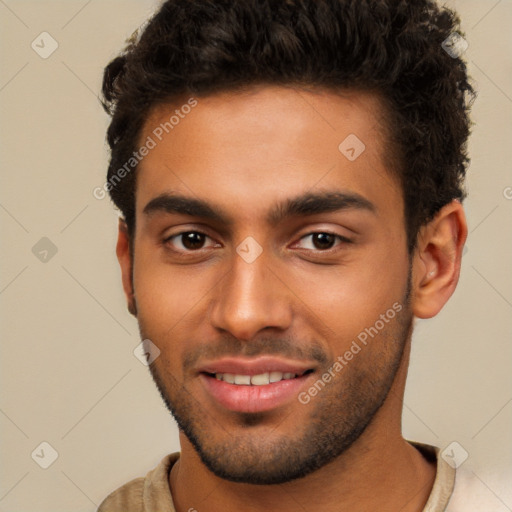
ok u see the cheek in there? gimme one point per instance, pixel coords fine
(167, 313)
(168, 296)
(351, 296)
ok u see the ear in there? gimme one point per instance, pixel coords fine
(124, 257)
(437, 260)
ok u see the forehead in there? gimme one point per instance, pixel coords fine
(249, 149)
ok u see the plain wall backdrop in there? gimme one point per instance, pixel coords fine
(68, 373)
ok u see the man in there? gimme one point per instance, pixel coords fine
(290, 179)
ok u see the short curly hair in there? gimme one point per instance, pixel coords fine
(395, 48)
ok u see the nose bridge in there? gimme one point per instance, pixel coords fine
(250, 298)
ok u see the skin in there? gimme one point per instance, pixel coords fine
(243, 153)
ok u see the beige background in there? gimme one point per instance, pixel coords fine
(68, 373)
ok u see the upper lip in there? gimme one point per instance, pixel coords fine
(255, 366)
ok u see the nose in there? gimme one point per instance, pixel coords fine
(249, 299)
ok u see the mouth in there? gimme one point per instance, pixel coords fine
(252, 386)
(262, 379)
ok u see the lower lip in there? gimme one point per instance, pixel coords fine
(241, 398)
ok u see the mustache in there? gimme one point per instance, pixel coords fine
(232, 347)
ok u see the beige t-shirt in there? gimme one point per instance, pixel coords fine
(152, 493)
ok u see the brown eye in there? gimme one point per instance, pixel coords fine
(188, 241)
(323, 241)
(193, 240)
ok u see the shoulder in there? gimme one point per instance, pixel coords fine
(463, 488)
(127, 498)
(476, 493)
(144, 494)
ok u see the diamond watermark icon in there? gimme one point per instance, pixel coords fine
(45, 455)
(454, 45)
(44, 250)
(454, 454)
(351, 147)
(44, 45)
(146, 352)
(249, 250)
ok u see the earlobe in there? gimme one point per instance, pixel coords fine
(437, 260)
(124, 257)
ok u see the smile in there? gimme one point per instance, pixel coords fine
(254, 392)
(261, 379)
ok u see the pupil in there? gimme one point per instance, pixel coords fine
(193, 240)
(323, 240)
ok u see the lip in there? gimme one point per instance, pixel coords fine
(253, 399)
(255, 366)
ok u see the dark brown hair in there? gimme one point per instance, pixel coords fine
(395, 48)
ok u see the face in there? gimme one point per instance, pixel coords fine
(270, 268)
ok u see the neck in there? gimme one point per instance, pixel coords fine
(380, 471)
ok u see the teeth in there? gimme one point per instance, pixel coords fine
(260, 380)
(276, 376)
(255, 380)
(245, 380)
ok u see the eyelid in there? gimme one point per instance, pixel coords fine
(167, 240)
(341, 240)
(182, 228)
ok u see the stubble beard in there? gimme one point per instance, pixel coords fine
(338, 415)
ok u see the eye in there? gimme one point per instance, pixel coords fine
(189, 241)
(321, 241)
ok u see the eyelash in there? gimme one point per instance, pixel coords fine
(167, 241)
(341, 240)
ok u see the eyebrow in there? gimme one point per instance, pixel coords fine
(315, 203)
(174, 203)
(303, 205)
